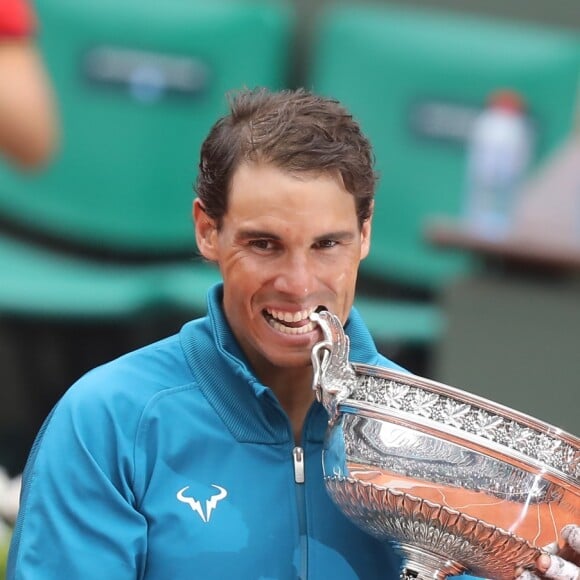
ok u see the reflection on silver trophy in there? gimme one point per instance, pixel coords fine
(458, 483)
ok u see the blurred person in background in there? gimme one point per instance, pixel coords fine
(199, 456)
(28, 116)
(28, 139)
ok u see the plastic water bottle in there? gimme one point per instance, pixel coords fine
(499, 153)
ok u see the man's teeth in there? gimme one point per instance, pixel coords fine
(292, 329)
(279, 319)
(290, 316)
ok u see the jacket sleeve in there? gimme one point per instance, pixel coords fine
(78, 516)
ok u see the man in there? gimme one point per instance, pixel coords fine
(200, 456)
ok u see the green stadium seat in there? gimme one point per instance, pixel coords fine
(415, 79)
(106, 228)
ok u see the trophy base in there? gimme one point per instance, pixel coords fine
(422, 565)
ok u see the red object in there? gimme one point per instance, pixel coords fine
(507, 100)
(17, 19)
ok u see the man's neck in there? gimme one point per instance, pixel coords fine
(293, 388)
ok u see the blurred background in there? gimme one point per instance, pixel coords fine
(96, 243)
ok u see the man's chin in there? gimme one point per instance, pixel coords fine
(292, 360)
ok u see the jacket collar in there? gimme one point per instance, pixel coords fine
(248, 408)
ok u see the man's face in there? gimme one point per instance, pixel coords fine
(288, 244)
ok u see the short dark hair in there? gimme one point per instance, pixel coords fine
(293, 130)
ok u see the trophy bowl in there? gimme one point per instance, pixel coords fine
(458, 483)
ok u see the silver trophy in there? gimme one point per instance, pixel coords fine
(458, 483)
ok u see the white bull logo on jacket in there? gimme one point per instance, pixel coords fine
(210, 504)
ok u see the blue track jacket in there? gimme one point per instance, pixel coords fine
(173, 462)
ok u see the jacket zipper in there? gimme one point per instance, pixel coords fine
(299, 478)
(298, 454)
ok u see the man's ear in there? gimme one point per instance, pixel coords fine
(205, 232)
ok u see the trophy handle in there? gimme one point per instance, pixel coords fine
(333, 378)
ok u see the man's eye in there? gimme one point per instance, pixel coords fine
(261, 244)
(324, 244)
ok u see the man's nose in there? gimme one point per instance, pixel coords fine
(297, 275)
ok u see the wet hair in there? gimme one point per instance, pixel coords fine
(293, 130)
